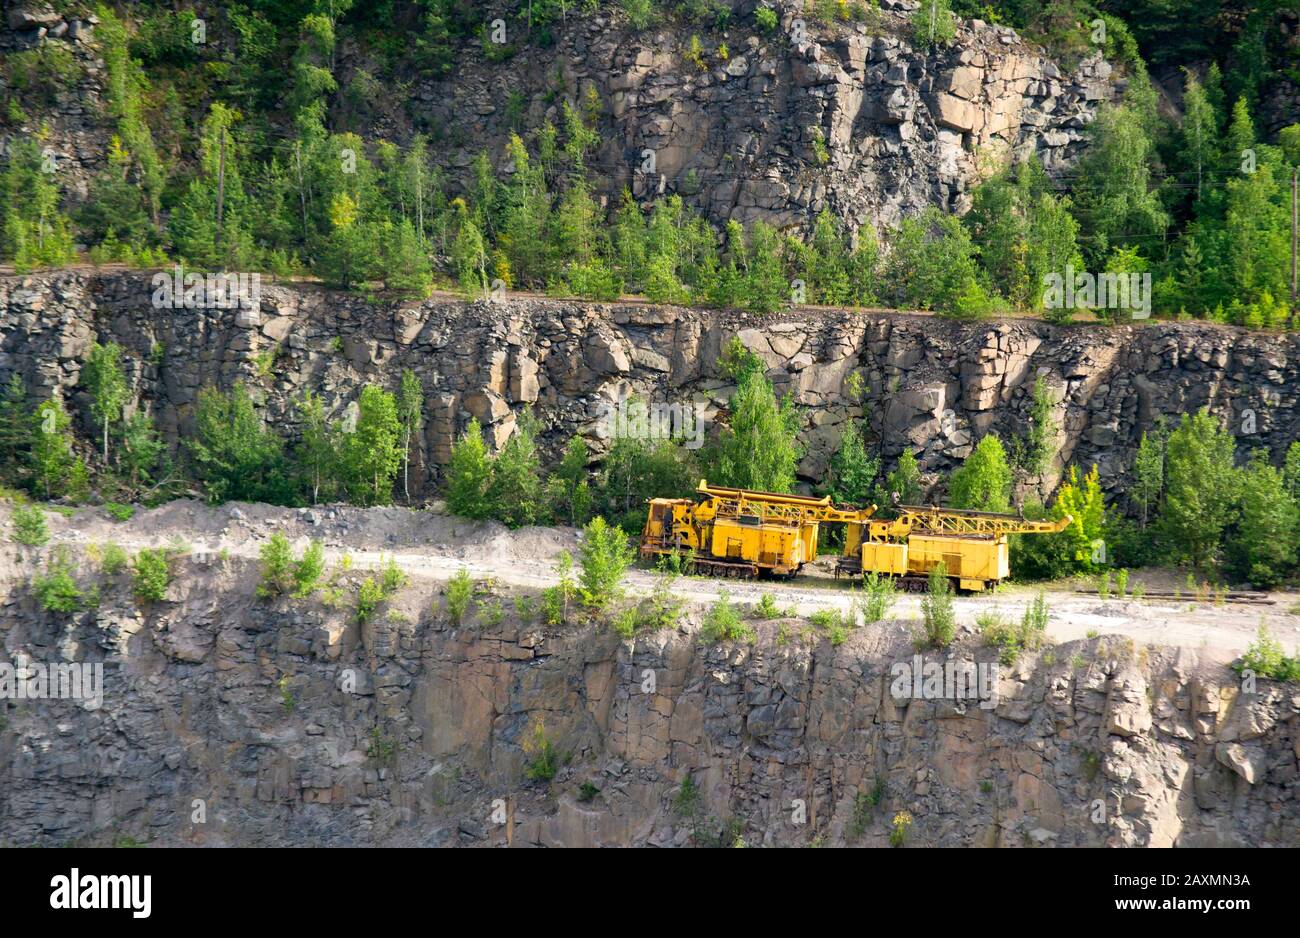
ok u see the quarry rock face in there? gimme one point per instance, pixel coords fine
(852, 117)
(932, 385)
(288, 723)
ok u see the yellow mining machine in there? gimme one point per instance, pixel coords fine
(972, 545)
(740, 533)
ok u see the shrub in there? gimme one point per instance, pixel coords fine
(881, 592)
(460, 590)
(604, 557)
(766, 19)
(1266, 658)
(1033, 624)
(56, 590)
(767, 608)
(369, 595)
(151, 575)
(118, 511)
(277, 566)
(113, 559)
(29, 527)
(544, 763)
(940, 620)
(1012, 639)
(723, 623)
(556, 599)
(308, 571)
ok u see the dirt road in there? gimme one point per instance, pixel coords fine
(430, 546)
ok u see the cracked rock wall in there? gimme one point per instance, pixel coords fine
(935, 385)
(292, 724)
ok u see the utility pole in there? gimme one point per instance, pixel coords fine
(221, 186)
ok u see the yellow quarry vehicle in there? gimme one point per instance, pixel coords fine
(972, 545)
(738, 532)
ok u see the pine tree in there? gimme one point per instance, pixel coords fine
(233, 453)
(983, 481)
(760, 449)
(468, 474)
(15, 426)
(372, 453)
(1200, 489)
(318, 445)
(514, 490)
(1262, 545)
(52, 459)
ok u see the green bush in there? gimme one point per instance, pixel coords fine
(307, 571)
(56, 589)
(1266, 658)
(118, 511)
(603, 558)
(276, 556)
(369, 595)
(29, 527)
(151, 574)
(938, 615)
(460, 590)
(544, 762)
(113, 559)
(723, 623)
(881, 592)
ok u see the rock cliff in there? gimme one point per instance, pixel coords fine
(934, 385)
(228, 719)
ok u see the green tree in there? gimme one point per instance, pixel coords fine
(316, 455)
(1200, 489)
(1148, 486)
(468, 474)
(1291, 470)
(1262, 545)
(568, 490)
(233, 453)
(410, 410)
(603, 558)
(759, 449)
(212, 224)
(33, 232)
(933, 23)
(52, 458)
(1083, 502)
(103, 377)
(851, 479)
(372, 453)
(15, 426)
(983, 481)
(1114, 200)
(514, 490)
(141, 451)
(903, 485)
